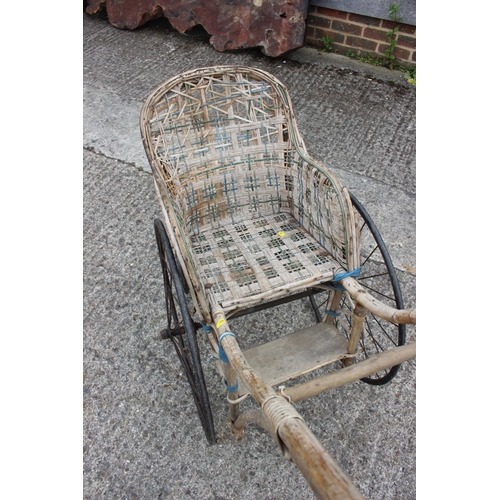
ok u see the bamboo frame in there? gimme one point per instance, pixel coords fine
(361, 296)
(253, 218)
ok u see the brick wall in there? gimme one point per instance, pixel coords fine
(359, 34)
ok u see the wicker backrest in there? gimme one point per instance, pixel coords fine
(220, 142)
(224, 146)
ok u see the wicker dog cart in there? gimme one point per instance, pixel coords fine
(252, 221)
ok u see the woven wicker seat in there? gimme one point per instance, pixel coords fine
(255, 257)
(252, 216)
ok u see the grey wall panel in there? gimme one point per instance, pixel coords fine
(372, 8)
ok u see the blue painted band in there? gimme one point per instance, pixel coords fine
(354, 273)
(332, 313)
(222, 354)
(231, 388)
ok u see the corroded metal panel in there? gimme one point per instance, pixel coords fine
(277, 26)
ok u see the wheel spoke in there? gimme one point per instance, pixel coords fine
(370, 255)
(180, 322)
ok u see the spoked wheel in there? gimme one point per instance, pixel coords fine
(181, 330)
(378, 276)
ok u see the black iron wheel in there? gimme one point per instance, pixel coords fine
(181, 329)
(379, 277)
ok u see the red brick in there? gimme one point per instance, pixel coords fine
(320, 22)
(362, 43)
(381, 48)
(369, 35)
(337, 37)
(313, 42)
(406, 41)
(389, 25)
(337, 14)
(343, 50)
(369, 21)
(375, 34)
(414, 56)
(351, 29)
(310, 32)
(402, 54)
(407, 29)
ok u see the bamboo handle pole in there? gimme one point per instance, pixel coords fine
(325, 477)
(231, 379)
(230, 373)
(320, 470)
(359, 294)
(374, 364)
(323, 474)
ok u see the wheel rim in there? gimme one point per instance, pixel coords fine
(181, 331)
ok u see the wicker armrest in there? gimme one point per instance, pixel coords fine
(323, 207)
(364, 298)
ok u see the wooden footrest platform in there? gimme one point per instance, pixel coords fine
(296, 354)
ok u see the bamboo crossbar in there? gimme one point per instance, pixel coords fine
(381, 361)
(376, 363)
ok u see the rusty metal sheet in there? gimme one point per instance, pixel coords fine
(276, 26)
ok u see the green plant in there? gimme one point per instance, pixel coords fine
(391, 36)
(350, 53)
(370, 59)
(411, 76)
(327, 43)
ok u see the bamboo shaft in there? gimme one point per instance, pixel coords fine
(374, 364)
(322, 473)
(359, 294)
(358, 319)
(320, 470)
(258, 387)
(333, 304)
(325, 477)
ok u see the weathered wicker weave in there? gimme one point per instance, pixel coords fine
(253, 216)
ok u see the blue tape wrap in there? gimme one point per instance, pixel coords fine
(222, 353)
(206, 328)
(337, 286)
(231, 388)
(355, 273)
(332, 313)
